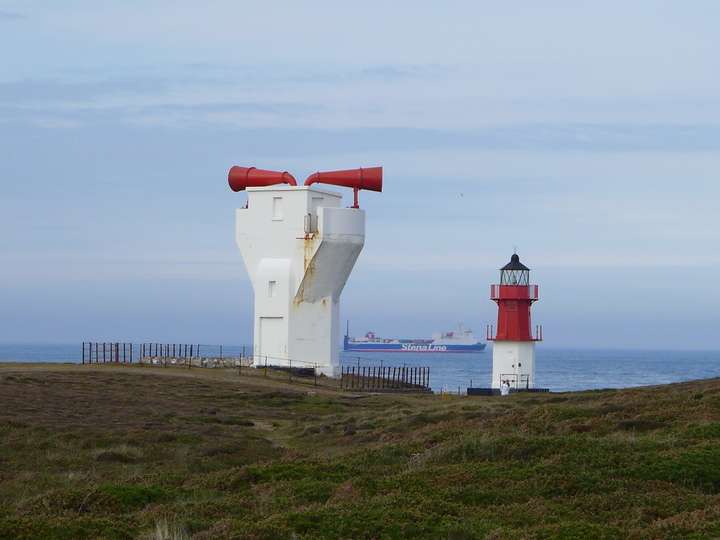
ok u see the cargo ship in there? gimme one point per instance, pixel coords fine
(461, 340)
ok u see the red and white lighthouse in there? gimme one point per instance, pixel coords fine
(514, 340)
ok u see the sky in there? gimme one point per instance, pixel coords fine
(586, 135)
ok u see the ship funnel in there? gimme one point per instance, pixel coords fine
(240, 178)
(370, 178)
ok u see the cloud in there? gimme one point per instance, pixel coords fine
(225, 107)
(206, 75)
(55, 91)
(265, 127)
(11, 16)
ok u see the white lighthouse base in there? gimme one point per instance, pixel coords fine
(514, 361)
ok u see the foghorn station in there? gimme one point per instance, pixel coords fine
(299, 246)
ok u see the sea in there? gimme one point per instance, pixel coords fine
(559, 370)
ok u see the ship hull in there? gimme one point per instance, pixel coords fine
(413, 348)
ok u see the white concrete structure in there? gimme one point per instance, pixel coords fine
(514, 361)
(299, 247)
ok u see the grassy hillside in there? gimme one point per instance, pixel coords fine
(108, 452)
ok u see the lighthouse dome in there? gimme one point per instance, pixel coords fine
(515, 264)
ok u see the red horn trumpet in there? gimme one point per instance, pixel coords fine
(370, 178)
(240, 178)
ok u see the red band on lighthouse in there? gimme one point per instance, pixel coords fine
(514, 296)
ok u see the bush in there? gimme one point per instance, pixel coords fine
(134, 496)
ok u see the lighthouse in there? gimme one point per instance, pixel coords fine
(514, 340)
(299, 246)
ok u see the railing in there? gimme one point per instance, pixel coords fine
(516, 380)
(490, 334)
(514, 292)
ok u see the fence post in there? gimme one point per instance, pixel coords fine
(266, 365)
(315, 371)
(290, 360)
(83, 352)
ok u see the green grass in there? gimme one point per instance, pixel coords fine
(107, 452)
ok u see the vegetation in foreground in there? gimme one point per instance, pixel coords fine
(110, 452)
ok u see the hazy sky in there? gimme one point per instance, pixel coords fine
(587, 134)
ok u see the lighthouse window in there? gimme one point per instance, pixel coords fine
(515, 277)
(272, 288)
(277, 209)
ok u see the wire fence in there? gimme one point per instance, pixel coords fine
(193, 355)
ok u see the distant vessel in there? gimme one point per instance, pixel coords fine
(461, 340)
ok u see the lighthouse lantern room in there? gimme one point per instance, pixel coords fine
(514, 339)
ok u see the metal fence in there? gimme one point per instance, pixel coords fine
(169, 350)
(103, 353)
(385, 378)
